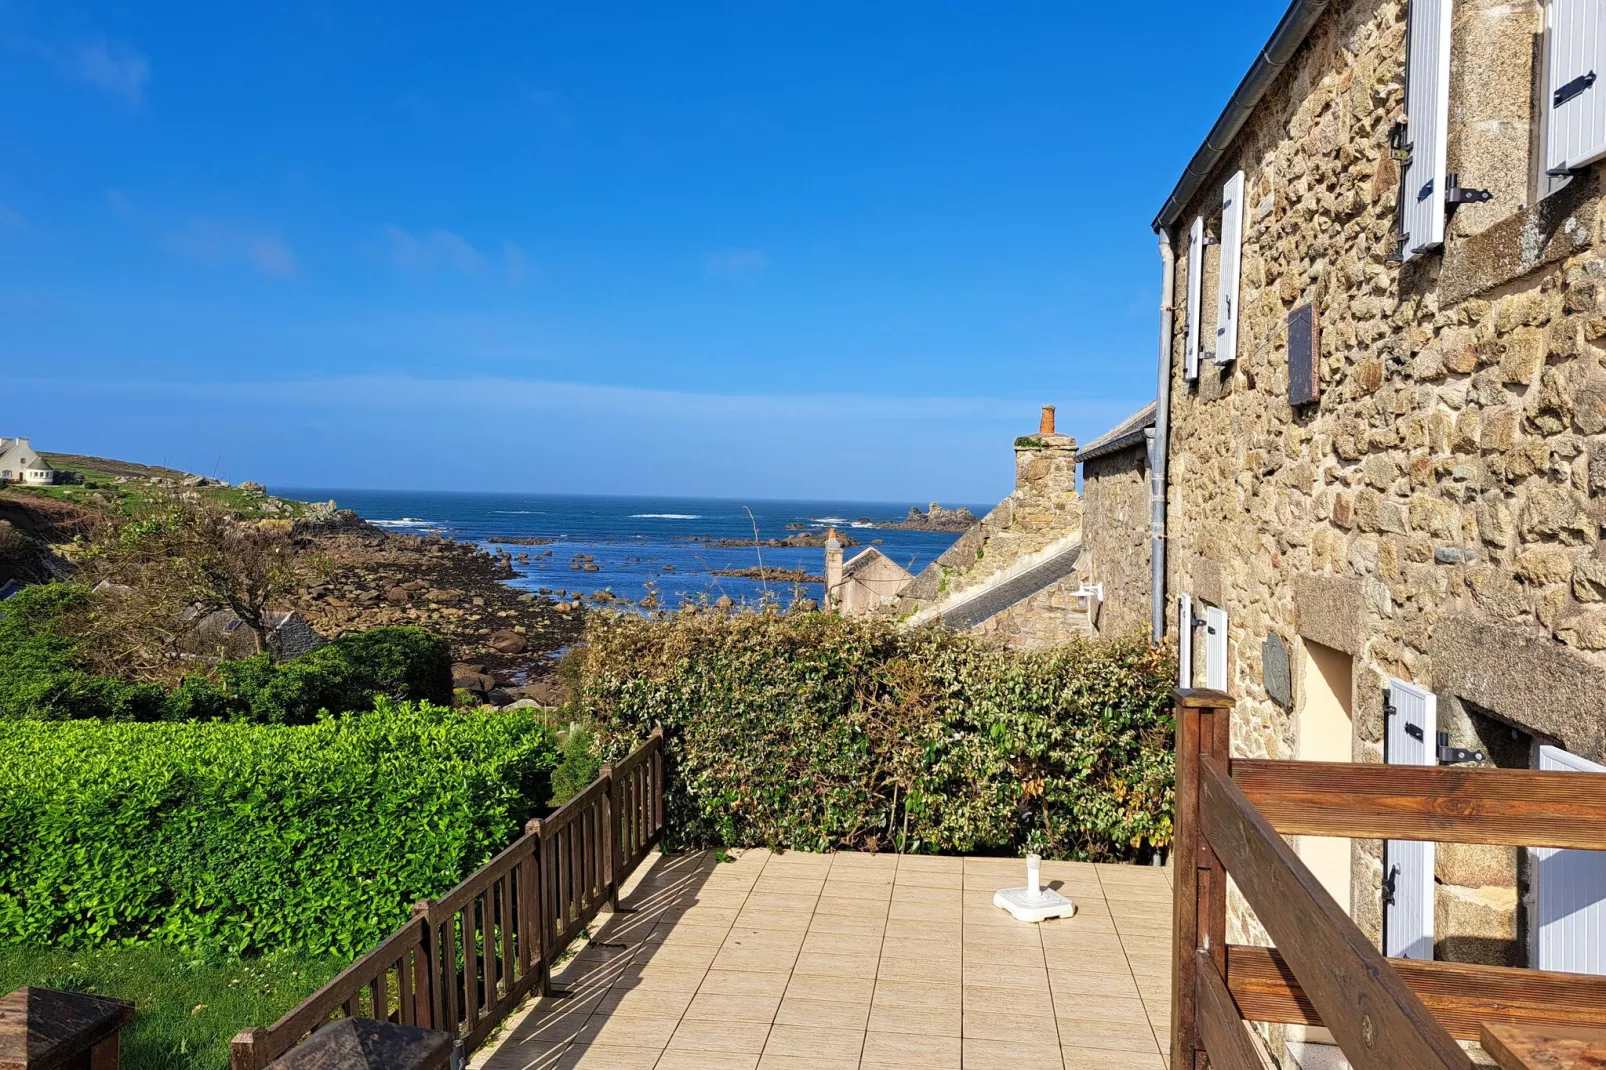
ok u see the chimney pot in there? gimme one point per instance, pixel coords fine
(1046, 425)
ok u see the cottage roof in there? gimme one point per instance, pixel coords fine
(1278, 51)
(867, 557)
(1127, 433)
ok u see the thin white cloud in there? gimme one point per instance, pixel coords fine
(735, 262)
(518, 265)
(212, 240)
(113, 66)
(432, 249)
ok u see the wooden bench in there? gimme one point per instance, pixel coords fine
(42, 1029)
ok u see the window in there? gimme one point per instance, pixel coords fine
(1574, 106)
(1190, 368)
(1427, 118)
(1215, 648)
(1232, 241)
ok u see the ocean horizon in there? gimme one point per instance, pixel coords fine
(645, 544)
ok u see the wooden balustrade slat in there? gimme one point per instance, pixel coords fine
(448, 976)
(406, 1010)
(1379, 1023)
(505, 909)
(1221, 1027)
(1517, 1048)
(1446, 804)
(1461, 996)
(1202, 721)
(471, 962)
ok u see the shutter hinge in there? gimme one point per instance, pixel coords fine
(1388, 885)
(1449, 755)
(1456, 194)
(1389, 709)
(1574, 88)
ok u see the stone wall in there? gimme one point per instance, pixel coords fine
(1115, 532)
(1437, 513)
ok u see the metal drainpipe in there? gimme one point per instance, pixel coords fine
(1159, 444)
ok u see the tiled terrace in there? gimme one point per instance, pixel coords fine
(817, 962)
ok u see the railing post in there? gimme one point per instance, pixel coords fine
(243, 1049)
(427, 995)
(1199, 901)
(614, 834)
(539, 904)
(655, 790)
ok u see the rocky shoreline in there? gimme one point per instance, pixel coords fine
(503, 641)
(935, 518)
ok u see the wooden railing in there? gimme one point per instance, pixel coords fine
(463, 962)
(1384, 1013)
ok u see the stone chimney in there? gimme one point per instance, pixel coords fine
(1045, 479)
(833, 569)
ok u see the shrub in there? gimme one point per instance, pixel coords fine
(347, 674)
(44, 676)
(577, 767)
(809, 730)
(244, 838)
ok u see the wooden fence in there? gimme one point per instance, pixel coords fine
(1386, 1014)
(463, 962)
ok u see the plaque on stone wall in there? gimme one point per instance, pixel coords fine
(1304, 376)
(1279, 680)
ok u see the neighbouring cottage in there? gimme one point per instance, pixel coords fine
(1381, 438)
(221, 634)
(1115, 523)
(1013, 573)
(865, 583)
(21, 463)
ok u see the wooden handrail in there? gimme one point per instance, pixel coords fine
(1461, 996)
(1445, 804)
(1378, 1021)
(462, 963)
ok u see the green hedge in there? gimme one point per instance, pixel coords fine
(43, 677)
(809, 730)
(243, 838)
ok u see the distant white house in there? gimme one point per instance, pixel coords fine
(21, 463)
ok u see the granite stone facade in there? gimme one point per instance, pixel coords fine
(1437, 514)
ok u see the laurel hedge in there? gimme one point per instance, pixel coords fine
(813, 731)
(242, 838)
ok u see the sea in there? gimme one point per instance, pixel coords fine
(660, 546)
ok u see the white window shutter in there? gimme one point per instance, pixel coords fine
(1190, 367)
(1410, 738)
(1184, 641)
(1427, 121)
(1570, 892)
(1575, 106)
(1232, 248)
(1215, 648)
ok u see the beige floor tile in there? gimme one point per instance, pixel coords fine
(833, 903)
(842, 888)
(1115, 1033)
(523, 1057)
(946, 880)
(1104, 1059)
(944, 930)
(1001, 975)
(713, 1036)
(789, 883)
(831, 989)
(619, 1031)
(1077, 1001)
(1079, 939)
(903, 1018)
(807, 1062)
(918, 994)
(782, 920)
(803, 1040)
(733, 1006)
(756, 959)
(681, 956)
(802, 862)
(983, 1000)
(863, 860)
(706, 1060)
(1110, 983)
(745, 982)
(608, 1057)
(867, 928)
(754, 938)
(647, 1003)
(797, 900)
(926, 913)
(835, 965)
(686, 935)
(929, 863)
(842, 943)
(982, 1054)
(1005, 954)
(823, 1014)
(1031, 1029)
(941, 895)
(909, 1051)
(933, 972)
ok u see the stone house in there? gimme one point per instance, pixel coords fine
(1115, 523)
(864, 583)
(21, 463)
(1381, 437)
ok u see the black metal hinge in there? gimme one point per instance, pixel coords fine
(1388, 885)
(1449, 755)
(1455, 193)
(1574, 88)
(1415, 732)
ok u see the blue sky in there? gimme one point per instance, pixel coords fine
(763, 249)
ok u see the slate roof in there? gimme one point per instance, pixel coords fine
(867, 557)
(1128, 432)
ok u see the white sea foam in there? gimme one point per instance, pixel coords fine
(666, 516)
(829, 519)
(406, 522)
(861, 524)
(516, 512)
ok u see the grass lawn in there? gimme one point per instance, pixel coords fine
(186, 1009)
